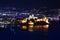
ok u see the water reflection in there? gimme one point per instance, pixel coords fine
(32, 28)
(24, 27)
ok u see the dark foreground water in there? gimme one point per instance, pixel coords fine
(52, 33)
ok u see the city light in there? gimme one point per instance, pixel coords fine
(23, 21)
(31, 23)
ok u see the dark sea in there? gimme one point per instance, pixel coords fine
(52, 33)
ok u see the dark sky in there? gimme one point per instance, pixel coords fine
(30, 3)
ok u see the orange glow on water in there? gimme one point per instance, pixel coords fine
(45, 26)
(24, 27)
(42, 27)
(31, 28)
(39, 26)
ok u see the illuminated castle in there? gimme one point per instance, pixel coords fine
(36, 19)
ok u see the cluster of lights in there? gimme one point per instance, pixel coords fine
(38, 27)
(31, 23)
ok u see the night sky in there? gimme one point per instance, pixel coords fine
(30, 3)
(54, 29)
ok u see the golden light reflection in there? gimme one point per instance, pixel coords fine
(39, 26)
(45, 26)
(24, 27)
(42, 27)
(31, 28)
